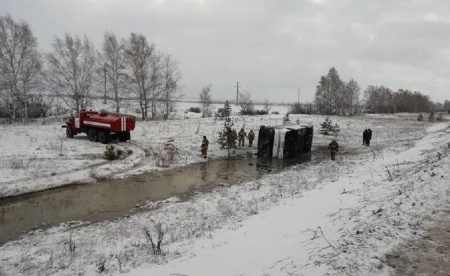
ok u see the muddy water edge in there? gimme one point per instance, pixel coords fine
(113, 198)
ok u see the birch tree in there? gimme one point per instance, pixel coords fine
(323, 98)
(351, 97)
(379, 99)
(112, 61)
(20, 65)
(139, 54)
(71, 70)
(155, 82)
(171, 77)
(205, 100)
(329, 93)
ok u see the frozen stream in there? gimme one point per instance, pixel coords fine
(110, 199)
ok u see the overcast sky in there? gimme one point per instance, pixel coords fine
(274, 48)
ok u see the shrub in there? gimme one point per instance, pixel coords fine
(166, 154)
(224, 112)
(431, 117)
(420, 117)
(194, 109)
(253, 112)
(259, 112)
(327, 127)
(171, 150)
(156, 245)
(111, 153)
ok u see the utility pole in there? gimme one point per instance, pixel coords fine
(298, 100)
(104, 70)
(237, 93)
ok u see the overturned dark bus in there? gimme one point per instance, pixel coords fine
(285, 141)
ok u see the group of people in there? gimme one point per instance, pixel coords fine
(232, 137)
(240, 137)
(334, 146)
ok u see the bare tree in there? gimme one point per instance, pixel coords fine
(155, 81)
(171, 77)
(351, 97)
(309, 108)
(323, 99)
(246, 104)
(205, 100)
(20, 65)
(71, 70)
(379, 99)
(329, 93)
(267, 106)
(112, 62)
(139, 55)
(39, 105)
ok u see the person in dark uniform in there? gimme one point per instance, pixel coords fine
(204, 147)
(369, 136)
(334, 148)
(365, 137)
(242, 134)
(251, 137)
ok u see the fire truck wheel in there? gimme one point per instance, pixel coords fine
(104, 137)
(69, 131)
(92, 135)
(123, 136)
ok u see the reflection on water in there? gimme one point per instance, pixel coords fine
(203, 170)
(113, 198)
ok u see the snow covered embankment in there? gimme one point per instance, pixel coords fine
(308, 220)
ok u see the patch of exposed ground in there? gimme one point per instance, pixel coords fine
(429, 255)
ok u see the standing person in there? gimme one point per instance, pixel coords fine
(204, 147)
(242, 134)
(334, 147)
(369, 136)
(251, 137)
(233, 137)
(365, 136)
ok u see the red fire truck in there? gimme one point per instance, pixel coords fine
(100, 126)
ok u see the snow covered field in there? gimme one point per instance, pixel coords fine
(38, 156)
(337, 217)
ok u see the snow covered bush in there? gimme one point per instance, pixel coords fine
(112, 153)
(155, 244)
(166, 154)
(328, 128)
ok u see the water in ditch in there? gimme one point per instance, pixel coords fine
(113, 198)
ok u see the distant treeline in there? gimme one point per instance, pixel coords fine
(334, 96)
